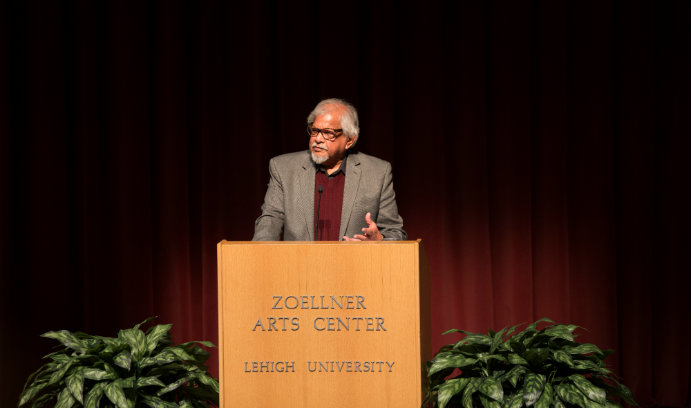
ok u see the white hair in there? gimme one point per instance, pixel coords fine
(349, 119)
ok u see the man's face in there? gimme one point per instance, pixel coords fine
(331, 152)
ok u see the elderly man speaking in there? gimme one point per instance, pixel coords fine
(349, 194)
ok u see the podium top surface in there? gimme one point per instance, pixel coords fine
(226, 242)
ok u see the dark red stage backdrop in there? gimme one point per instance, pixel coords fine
(540, 150)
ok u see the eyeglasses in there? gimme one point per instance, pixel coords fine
(328, 134)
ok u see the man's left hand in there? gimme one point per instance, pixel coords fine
(370, 233)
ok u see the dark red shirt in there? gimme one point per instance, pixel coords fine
(329, 209)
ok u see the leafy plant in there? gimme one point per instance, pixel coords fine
(540, 368)
(134, 369)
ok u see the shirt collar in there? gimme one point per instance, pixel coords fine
(341, 169)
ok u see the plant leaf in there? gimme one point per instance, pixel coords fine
(559, 331)
(588, 389)
(93, 397)
(68, 339)
(208, 380)
(123, 359)
(65, 399)
(468, 392)
(514, 375)
(203, 343)
(488, 402)
(532, 388)
(174, 385)
(147, 320)
(514, 358)
(29, 393)
(181, 354)
(155, 335)
(147, 381)
(546, 397)
(449, 360)
(136, 339)
(115, 394)
(563, 357)
(570, 394)
(96, 374)
(156, 402)
(585, 349)
(75, 383)
(514, 401)
(60, 371)
(491, 387)
(164, 357)
(449, 389)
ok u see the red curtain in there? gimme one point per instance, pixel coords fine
(540, 150)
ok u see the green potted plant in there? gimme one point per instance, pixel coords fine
(135, 369)
(540, 368)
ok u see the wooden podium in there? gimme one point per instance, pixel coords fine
(322, 324)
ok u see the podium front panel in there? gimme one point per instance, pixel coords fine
(328, 324)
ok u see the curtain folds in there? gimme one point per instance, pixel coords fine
(540, 150)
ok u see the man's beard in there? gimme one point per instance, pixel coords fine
(317, 159)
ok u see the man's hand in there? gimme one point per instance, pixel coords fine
(370, 233)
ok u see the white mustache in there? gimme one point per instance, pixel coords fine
(321, 146)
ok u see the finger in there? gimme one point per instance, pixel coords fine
(346, 238)
(368, 219)
(360, 237)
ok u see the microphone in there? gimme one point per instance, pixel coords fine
(320, 189)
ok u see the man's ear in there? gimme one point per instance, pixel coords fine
(350, 143)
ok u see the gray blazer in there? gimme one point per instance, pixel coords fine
(289, 202)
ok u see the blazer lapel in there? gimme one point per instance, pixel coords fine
(352, 182)
(306, 197)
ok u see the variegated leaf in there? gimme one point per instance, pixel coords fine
(60, 372)
(492, 388)
(570, 394)
(559, 331)
(450, 360)
(558, 402)
(532, 388)
(147, 381)
(468, 392)
(156, 402)
(155, 335)
(588, 389)
(450, 388)
(136, 339)
(203, 343)
(514, 401)
(29, 393)
(546, 397)
(186, 404)
(67, 339)
(96, 374)
(586, 348)
(208, 380)
(93, 397)
(75, 383)
(181, 354)
(116, 395)
(514, 375)
(489, 402)
(65, 399)
(123, 359)
(563, 357)
(514, 358)
(174, 385)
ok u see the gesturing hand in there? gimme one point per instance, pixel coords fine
(370, 233)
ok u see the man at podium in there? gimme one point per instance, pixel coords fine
(348, 193)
